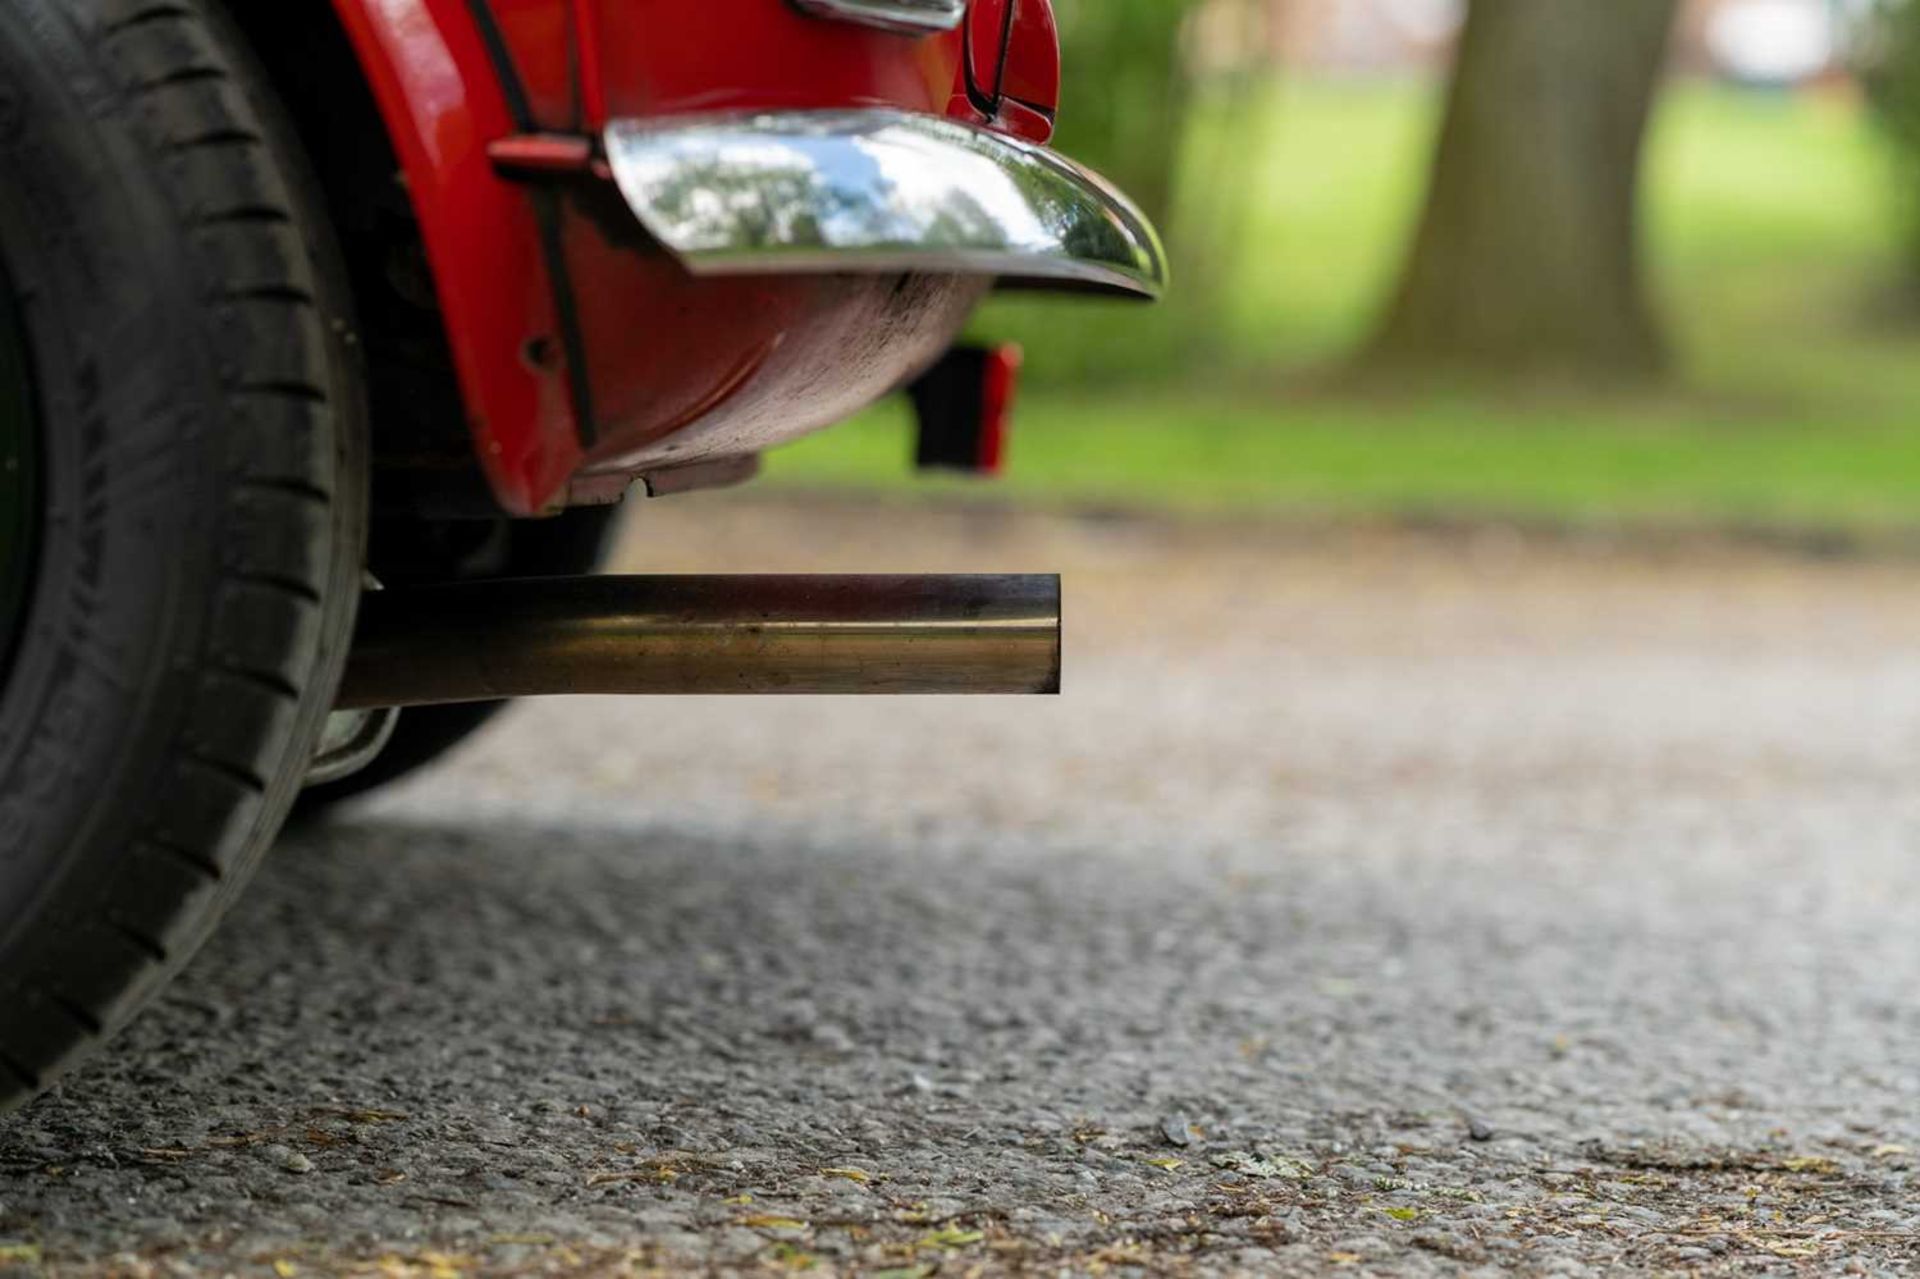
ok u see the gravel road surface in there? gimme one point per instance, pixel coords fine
(1371, 901)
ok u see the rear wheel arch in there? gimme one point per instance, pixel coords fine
(323, 78)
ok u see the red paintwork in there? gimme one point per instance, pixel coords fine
(654, 57)
(593, 75)
(663, 352)
(735, 54)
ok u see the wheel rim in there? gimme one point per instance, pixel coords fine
(19, 474)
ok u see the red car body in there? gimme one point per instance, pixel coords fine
(585, 356)
(309, 308)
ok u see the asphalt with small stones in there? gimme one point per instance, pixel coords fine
(1392, 903)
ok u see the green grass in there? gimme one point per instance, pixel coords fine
(1770, 237)
(1444, 459)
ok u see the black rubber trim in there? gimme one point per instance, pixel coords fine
(566, 307)
(547, 213)
(518, 105)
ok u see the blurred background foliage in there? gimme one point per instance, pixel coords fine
(1129, 121)
(1776, 218)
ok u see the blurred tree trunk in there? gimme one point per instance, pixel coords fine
(1886, 55)
(1527, 256)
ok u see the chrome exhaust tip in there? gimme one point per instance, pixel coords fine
(541, 637)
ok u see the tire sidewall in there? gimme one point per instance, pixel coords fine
(164, 699)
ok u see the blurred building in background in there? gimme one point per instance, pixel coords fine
(1761, 42)
(1365, 36)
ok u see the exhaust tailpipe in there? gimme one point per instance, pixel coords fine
(536, 637)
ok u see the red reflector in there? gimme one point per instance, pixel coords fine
(1002, 383)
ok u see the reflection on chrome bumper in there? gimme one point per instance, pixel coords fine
(878, 191)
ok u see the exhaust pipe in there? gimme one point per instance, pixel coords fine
(536, 637)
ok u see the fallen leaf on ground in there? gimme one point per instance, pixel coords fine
(848, 1174)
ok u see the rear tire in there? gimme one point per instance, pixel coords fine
(199, 502)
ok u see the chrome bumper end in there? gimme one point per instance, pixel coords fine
(878, 192)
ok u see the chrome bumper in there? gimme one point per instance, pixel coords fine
(878, 192)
